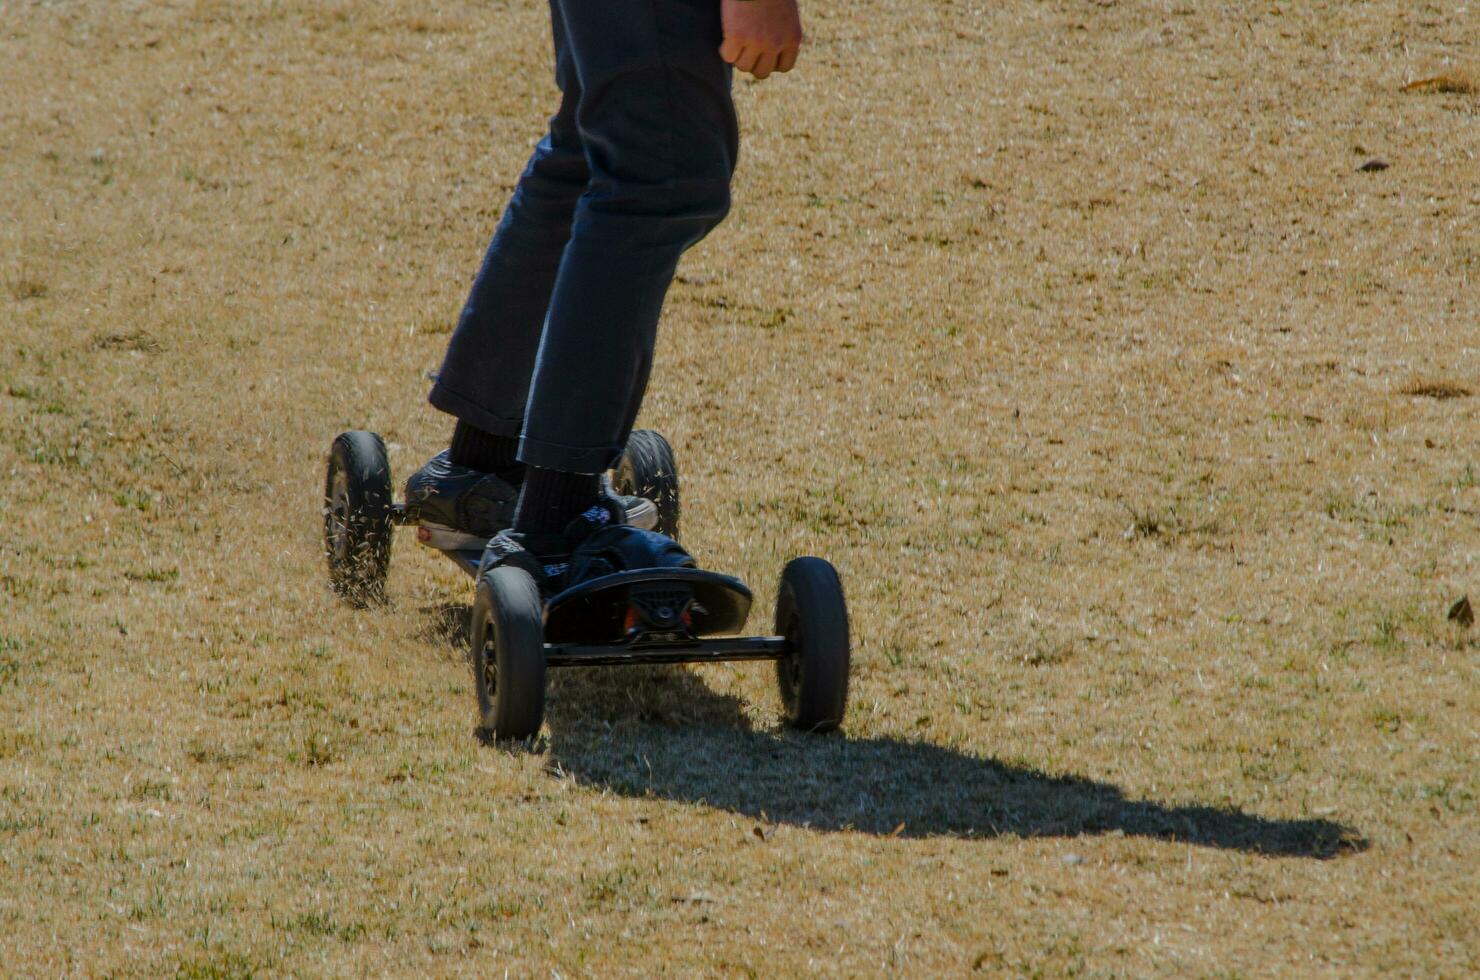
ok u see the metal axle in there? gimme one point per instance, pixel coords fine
(696, 652)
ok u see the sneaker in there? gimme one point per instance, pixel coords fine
(546, 556)
(637, 512)
(595, 544)
(460, 508)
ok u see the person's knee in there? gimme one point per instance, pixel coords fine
(701, 201)
(660, 145)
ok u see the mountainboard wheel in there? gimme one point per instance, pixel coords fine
(813, 616)
(508, 654)
(647, 469)
(357, 517)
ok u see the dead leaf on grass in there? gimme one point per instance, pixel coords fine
(136, 340)
(24, 289)
(694, 898)
(1048, 655)
(1456, 83)
(1462, 613)
(1437, 389)
(987, 961)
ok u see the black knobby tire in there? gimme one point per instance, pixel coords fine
(508, 640)
(813, 616)
(647, 469)
(357, 517)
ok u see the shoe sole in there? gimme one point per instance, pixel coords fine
(643, 515)
(442, 538)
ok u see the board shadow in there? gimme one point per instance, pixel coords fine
(662, 732)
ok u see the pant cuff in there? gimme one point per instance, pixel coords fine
(571, 459)
(470, 412)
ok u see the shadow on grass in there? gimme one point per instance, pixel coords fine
(662, 732)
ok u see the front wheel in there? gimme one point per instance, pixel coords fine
(508, 636)
(812, 615)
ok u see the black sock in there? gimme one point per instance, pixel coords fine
(486, 452)
(551, 499)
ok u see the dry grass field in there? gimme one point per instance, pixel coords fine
(1143, 425)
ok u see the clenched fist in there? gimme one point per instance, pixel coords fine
(761, 36)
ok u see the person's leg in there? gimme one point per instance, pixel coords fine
(658, 127)
(467, 492)
(485, 374)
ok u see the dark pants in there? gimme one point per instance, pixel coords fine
(556, 340)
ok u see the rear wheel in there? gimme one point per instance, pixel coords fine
(508, 638)
(357, 517)
(813, 616)
(648, 470)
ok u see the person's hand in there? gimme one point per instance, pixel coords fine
(761, 36)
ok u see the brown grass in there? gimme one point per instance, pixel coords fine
(1066, 329)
